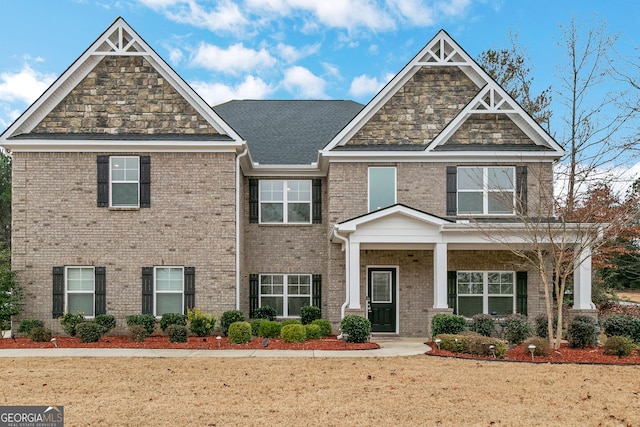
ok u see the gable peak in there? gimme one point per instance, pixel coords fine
(119, 39)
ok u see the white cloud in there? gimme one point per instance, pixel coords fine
(225, 17)
(175, 56)
(250, 88)
(234, 60)
(292, 54)
(364, 85)
(303, 83)
(25, 86)
(418, 13)
(349, 14)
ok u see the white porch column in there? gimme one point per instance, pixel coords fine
(354, 275)
(440, 276)
(582, 281)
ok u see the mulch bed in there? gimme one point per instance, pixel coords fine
(205, 343)
(565, 354)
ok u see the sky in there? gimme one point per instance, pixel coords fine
(290, 49)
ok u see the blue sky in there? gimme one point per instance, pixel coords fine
(288, 49)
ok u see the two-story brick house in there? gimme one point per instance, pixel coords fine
(131, 194)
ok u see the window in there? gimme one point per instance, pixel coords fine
(285, 202)
(485, 292)
(80, 290)
(125, 181)
(486, 190)
(169, 290)
(287, 293)
(382, 187)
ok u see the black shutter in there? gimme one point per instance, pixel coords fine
(521, 189)
(145, 181)
(452, 190)
(316, 291)
(253, 294)
(147, 290)
(521, 292)
(452, 291)
(253, 200)
(100, 274)
(103, 181)
(58, 292)
(317, 201)
(189, 288)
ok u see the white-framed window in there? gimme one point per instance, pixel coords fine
(169, 290)
(489, 292)
(80, 290)
(486, 190)
(124, 179)
(382, 187)
(287, 293)
(285, 202)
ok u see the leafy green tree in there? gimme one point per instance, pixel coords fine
(5, 201)
(11, 294)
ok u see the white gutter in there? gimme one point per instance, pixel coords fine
(238, 178)
(346, 272)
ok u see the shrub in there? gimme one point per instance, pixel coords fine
(357, 327)
(623, 326)
(542, 346)
(269, 329)
(137, 333)
(147, 321)
(239, 332)
(286, 322)
(169, 319)
(106, 321)
(69, 321)
(618, 346)
(325, 326)
(541, 325)
(255, 326)
(309, 313)
(293, 332)
(265, 312)
(517, 328)
(200, 323)
(26, 325)
(177, 332)
(582, 332)
(313, 331)
(89, 331)
(472, 344)
(483, 324)
(229, 317)
(40, 334)
(447, 324)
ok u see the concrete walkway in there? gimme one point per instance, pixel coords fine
(388, 348)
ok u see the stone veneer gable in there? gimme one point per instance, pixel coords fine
(487, 129)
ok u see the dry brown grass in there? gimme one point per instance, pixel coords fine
(633, 296)
(418, 391)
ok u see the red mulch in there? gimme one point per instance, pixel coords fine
(565, 354)
(206, 343)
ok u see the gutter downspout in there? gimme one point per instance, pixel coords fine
(346, 272)
(238, 179)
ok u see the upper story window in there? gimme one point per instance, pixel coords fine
(285, 202)
(80, 290)
(486, 190)
(382, 187)
(124, 181)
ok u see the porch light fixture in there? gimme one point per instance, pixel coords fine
(532, 349)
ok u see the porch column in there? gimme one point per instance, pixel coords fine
(354, 275)
(582, 281)
(440, 276)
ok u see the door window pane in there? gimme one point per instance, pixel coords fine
(381, 287)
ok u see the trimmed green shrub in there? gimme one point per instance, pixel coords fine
(201, 324)
(313, 331)
(357, 327)
(618, 346)
(517, 328)
(106, 321)
(623, 326)
(483, 324)
(472, 344)
(286, 322)
(239, 332)
(137, 333)
(169, 319)
(325, 326)
(177, 332)
(542, 346)
(89, 331)
(309, 313)
(582, 332)
(265, 312)
(26, 325)
(229, 317)
(255, 326)
(447, 324)
(294, 332)
(540, 325)
(147, 321)
(269, 329)
(40, 334)
(69, 321)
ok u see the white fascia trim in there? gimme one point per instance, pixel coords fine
(311, 170)
(47, 146)
(441, 156)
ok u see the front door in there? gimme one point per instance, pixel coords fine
(381, 298)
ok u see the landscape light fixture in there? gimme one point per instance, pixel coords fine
(437, 341)
(532, 349)
(218, 338)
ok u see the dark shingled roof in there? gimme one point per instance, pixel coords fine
(283, 132)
